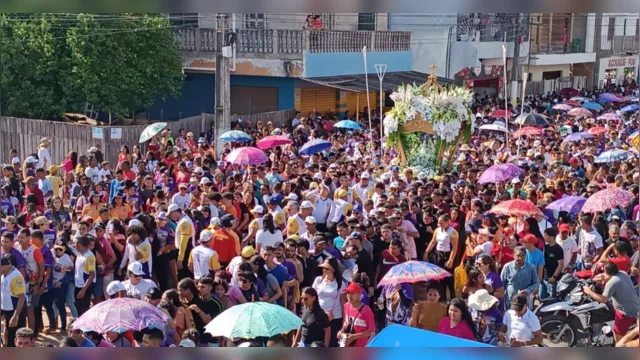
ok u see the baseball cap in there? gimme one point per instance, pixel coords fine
(205, 236)
(310, 220)
(258, 209)
(292, 196)
(341, 193)
(135, 222)
(395, 168)
(364, 176)
(172, 208)
(516, 181)
(115, 287)
(530, 239)
(41, 220)
(162, 216)
(306, 205)
(136, 268)
(154, 293)
(518, 302)
(565, 227)
(248, 252)
(205, 181)
(357, 208)
(5, 260)
(215, 221)
(187, 343)
(353, 288)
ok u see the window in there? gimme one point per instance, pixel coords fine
(184, 20)
(222, 21)
(367, 21)
(255, 21)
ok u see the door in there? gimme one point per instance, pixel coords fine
(247, 100)
(321, 99)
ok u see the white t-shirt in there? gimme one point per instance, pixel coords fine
(182, 201)
(60, 263)
(486, 247)
(569, 247)
(590, 242)
(329, 296)
(233, 266)
(521, 328)
(443, 239)
(265, 238)
(93, 174)
(102, 174)
(140, 290)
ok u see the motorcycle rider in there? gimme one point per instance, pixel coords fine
(618, 288)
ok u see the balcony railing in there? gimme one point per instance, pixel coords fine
(619, 44)
(489, 27)
(291, 43)
(556, 45)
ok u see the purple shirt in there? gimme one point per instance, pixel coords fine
(50, 237)
(17, 258)
(495, 281)
(49, 261)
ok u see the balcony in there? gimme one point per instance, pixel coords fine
(289, 44)
(489, 27)
(619, 44)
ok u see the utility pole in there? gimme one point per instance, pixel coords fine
(598, 49)
(515, 66)
(223, 90)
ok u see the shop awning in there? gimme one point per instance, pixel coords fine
(357, 83)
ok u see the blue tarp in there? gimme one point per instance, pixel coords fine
(405, 336)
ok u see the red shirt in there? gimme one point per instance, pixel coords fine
(362, 320)
(38, 193)
(623, 263)
(387, 261)
(130, 175)
(461, 330)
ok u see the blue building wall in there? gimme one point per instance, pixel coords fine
(337, 64)
(285, 85)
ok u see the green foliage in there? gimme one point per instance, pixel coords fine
(52, 63)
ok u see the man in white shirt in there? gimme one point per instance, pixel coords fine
(521, 326)
(568, 244)
(92, 171)
(182, 198)
(591, 244)
(136, 286)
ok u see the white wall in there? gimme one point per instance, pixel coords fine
(591, 33)
(619, 25)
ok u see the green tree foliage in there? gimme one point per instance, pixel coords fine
(51, 64)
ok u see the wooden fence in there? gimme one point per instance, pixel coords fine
(24, 135)
(278, 118)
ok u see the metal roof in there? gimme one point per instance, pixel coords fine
(391, 80)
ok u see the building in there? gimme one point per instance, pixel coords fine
(618, 45)
(281, 63)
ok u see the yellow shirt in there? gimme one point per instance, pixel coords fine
(56, 184)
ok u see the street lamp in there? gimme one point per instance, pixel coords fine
(381, 69)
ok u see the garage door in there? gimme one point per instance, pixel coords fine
(321, 99)
(247, 100)
(353, 105)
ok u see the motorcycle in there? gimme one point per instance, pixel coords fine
(564, 287)
(577, 321)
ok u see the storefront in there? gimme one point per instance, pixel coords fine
(485, 80)
(616, 69)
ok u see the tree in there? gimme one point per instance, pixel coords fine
(118, 63)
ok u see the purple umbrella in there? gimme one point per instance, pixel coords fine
(577, 137)
(608, 97)
(120, 315)
(570, 204)
(500, 173)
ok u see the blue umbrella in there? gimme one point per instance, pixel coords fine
(577, 137)
(399, 336)
(235, 135)
(613, 155)
(315, 146)
(592, 106)
(630, 108)
(347, 124)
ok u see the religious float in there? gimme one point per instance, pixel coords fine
(428, 123)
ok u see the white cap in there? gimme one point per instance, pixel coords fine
(136, 268)
(15, 160)
(204, 181)
(205, 236)
(310, 220)
(187, 343)
(115, 287)
(215, 221)
(318, 176)
(515, 181)
(393, 185)
(364, 175)
(198, 170)
(537, 143)
(31, 160)
(306, 205)
(386, 176)
(258, 209)
(292, 196)
(172, 208)
(135, 222)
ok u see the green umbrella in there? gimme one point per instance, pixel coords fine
(252, 320)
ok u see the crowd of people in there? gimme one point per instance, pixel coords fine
(194, 235)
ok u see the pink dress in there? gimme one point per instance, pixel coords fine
(461, 330)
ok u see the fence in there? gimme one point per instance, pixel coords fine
(278, 118)
(24, 135)
(544, 86)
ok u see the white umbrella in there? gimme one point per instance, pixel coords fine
(150, 131)
(493, 127)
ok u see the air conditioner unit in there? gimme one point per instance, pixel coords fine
(227, 51)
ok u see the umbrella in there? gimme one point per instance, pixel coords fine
(608, 97)
(570, 204)
(347, 124)
(400, 336)
(569, 92)
(563, 107)
(273, 141)
(252, 320)
(315, 146)
(610, 116)
(630, 108)
(572, 102)
(234, 136)
(531, 119)
(500, 173)
(598, 130)
(493, 127)
(580, 98)
(519, 208)
(120, 315)
(500, 114)
(150, 131)
(528, 131)
(580, 112)
(606, 199)
(613, 155)
(413, 272)
(592, 106)
(247, 156)
(577, 137)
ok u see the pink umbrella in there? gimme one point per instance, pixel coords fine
(120, 315)
(580, 112)
(247, 156)
(610, 116)
(562, 107)
(273, 141)
(606, 199)
(598, 130)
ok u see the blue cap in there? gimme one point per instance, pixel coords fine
(357, 208)
(202, 140)
(395, 168)
(273, 201)
(461, 183)
(355, 235)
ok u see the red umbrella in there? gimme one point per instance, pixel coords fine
(528, 131)
(572, 103)
(501, 114)
(569, 92)
(519, 208)
(598, 130)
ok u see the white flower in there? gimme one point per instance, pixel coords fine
(390, 125)
(448, 131)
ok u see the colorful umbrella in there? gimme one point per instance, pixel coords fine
(253, 319)
(569, 92)
(532, 119)
(608, 97)
(273, 140)
(592, 106)
(528, 131)
(347, 124)
(577, 137)
(606, 199)
(150, 131)
(613, 155)
(120, 315)
(562, 107)
(315, 146)
(413, 272)
(570, 204)
(500, 173)
(580, 112)
(580, 99)
(519, 208)
(247, 156)
(598, 130)
(610, 116)
(499, 114)
(572, 102)
(493, 127)
(234, 136)
(630, 108)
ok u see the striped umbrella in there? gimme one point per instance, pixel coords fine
(519, 208)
